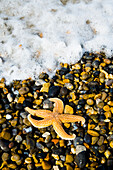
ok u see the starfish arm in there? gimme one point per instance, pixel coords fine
(60, 131)
(39, 113)
(59, 106)
(40, 123)
(71, 118)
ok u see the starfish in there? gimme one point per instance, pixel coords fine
(55, 118)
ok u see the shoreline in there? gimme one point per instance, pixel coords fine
(86, 89)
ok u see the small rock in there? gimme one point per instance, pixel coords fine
(5, 156)
(81, 159)
(39, 145)
(5, 135)
(80, 148)
(8, 116)
(15, 157)
(87, 139)
(54, 91)
(18, 138)
(23, 90)
(63, 91)
(69, 158)
(10, 97)
(68, 109)
(92, 133)
(46, 165)
(45, 87)
(28, 160)
(78, 141)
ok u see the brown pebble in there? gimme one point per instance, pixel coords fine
(15, 157)
(23, 90)
(90, 102)
(46, 165)
(5, 135)
(5, 156)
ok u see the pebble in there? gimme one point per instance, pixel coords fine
(15, 157)
(81, 159)
(18, 138)
(23, 90)
(5, 156)
(46, 165)
(90, 102)
(69, 158)
(63, 91)
(80, 148)
(5, 135)
(10, 97)
(68, 109)
(8, 116)
(28, 160)
(45, 87)
(39, 145)
(54, 91)
(92, 133)
(78, 141)
(4, 146)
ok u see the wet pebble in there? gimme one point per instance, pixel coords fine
(81, 159)
(54, 91)
(78, 141)
(23, 90)
(80, 148)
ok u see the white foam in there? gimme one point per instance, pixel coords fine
(68, 30)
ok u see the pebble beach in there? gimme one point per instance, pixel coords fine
(63, 50)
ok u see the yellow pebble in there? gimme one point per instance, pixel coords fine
(107, 154)
(45, 87)
(90, 102)
(68, 109)
(106, 108)
(69, 158)
(92, 133)
(111, 144)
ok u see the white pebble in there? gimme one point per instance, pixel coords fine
(8, 116)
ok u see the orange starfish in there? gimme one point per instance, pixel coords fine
(55, 118)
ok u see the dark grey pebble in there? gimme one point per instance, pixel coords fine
(58, 151)
(19, 106)
(54, 91)
(95, 63)
(39, 145)
(81, 159)
(63, 91)
(87, 139)
(69, 76)
(4, 146)
(78, 141)
(63, 71)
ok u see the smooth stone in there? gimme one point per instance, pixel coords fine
(63, 71)
(92, 133)
(80, 148)
(81, 159)
(54, 91)
(18, 138)
(4, 145)
(5, 135)
(5, 156)
(39, 145)
(2, 120)
(12, 166)
(69, 158)
(8, 116)
(87, 139)
(19, 106)
(69, 76)
(28, 160)
(47, 104)
(63, 91)
(46, 165)
(23, 90)
(68, 109)
(10, 97)
(45, 87)
(15, 157)
(77, 141)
